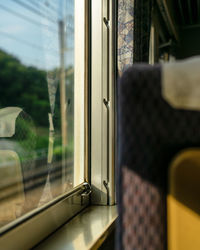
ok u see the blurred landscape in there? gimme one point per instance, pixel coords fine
(26, 87)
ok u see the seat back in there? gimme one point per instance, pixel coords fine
(18, 166)
(11, 185)
(150, 134)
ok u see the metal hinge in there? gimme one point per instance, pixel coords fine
(87, 190)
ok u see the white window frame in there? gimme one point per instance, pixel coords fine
(103, 139)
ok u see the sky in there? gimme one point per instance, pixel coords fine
(29, 30)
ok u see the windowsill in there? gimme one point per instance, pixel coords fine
(88, 230)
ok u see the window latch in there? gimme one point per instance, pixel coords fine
(106, 103)
(87, 190)
(106, 22)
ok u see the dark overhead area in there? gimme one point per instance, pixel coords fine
(188, 12)
(182, 20)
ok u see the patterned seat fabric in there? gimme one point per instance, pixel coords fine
(150, 134)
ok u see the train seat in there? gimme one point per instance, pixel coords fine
(11, 184)
(150, 134)
(17, 160)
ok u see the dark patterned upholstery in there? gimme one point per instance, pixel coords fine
(150, 134)
(142, 214)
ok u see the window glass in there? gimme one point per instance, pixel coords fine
(41, 123)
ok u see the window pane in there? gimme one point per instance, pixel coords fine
(41, 103)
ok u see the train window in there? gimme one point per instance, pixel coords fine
(57, 113)
(42, 103)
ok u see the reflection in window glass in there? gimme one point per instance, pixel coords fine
(37, 89)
